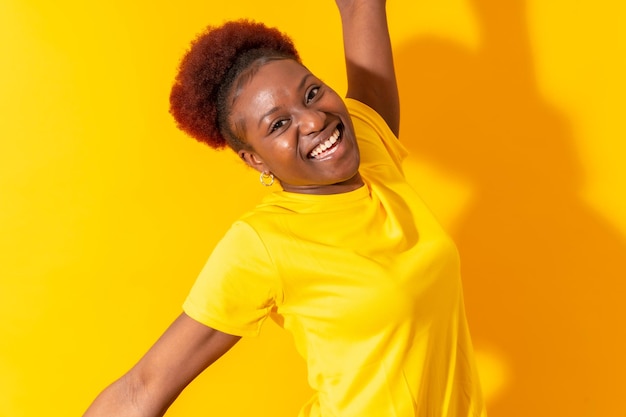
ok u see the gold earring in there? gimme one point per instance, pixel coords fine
(266, 178)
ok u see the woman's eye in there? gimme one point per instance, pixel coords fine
(310, 95)
(277, 125)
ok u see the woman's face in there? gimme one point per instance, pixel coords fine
(297, 128)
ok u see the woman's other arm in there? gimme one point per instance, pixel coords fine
(149, 388)
(369, 59)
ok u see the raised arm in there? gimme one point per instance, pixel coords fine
(369, 60)
(149, 388)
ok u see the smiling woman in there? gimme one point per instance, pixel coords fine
(345, 257)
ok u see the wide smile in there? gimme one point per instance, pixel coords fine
(328, 147)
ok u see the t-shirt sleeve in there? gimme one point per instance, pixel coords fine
(374, 135)
(238, 286)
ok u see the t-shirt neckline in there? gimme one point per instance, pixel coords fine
(349, 196)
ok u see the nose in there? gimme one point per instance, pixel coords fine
(311, 121)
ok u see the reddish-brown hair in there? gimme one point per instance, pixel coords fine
(207, 72)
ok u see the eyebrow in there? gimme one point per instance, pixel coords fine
(275, 109)
(272, 110)
(304, 80)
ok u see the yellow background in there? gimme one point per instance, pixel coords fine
(513, 110)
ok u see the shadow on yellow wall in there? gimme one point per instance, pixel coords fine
(107, 211)
(544, 273)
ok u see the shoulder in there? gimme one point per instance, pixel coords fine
(376, 140)
(241, 251)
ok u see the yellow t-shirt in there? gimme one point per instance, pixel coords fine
(367, 282)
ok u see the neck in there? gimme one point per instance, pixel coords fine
(338, 188)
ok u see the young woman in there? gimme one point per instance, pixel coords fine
(345, 257)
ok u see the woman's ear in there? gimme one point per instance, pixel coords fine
(253, 160)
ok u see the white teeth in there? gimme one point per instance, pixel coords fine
(325, 145)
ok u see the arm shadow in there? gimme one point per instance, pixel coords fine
(543, 272)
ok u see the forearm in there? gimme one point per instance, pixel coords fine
(366, 36)
(126, 397)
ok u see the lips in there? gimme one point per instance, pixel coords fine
(327, 147)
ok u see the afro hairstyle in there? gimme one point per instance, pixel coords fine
(208, 70)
